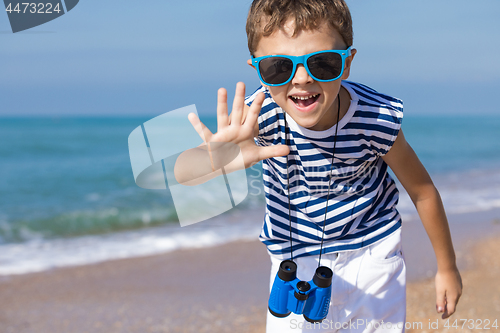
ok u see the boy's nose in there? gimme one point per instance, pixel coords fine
(301, 76)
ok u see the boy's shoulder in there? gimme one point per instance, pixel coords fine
(365, 95)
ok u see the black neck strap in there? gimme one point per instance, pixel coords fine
(287, 138)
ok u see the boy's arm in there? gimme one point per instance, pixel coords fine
(411, 173)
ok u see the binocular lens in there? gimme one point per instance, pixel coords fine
(323, 277)
(288, 270)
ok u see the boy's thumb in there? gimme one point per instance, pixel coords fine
(281, 150)
(440, 302)
(273, 151)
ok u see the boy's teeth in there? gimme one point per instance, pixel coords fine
(305, 97)
(304, 101)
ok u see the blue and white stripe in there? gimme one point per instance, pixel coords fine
(363, 196)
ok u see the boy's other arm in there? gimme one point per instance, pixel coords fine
(414, 177)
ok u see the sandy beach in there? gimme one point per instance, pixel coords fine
(225, 289)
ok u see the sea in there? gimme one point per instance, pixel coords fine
(68, 195)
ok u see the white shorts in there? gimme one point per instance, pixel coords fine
(368, 290)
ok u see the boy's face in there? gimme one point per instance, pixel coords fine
(318, 113)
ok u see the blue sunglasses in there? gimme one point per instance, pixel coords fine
(323, 66)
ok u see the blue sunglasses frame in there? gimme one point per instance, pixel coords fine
(296, 60)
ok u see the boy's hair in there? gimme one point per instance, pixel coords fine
(308, 15)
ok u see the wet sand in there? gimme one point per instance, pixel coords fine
(225, 289)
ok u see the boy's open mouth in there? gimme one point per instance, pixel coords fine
(304, 101)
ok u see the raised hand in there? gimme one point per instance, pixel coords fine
(239, 127)
(234, 135)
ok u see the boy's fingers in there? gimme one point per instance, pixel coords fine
(451, 305)
(449, 310)
(203, 131)
(238, 102)
(222, 117)
(253, 112)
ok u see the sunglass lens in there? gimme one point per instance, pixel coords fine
(275, 70)
(325, 66)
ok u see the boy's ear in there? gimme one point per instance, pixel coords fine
(249, 61)
(348, 61)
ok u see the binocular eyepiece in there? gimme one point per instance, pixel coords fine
(311, 298)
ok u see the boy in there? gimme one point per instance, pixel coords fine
(326, 144)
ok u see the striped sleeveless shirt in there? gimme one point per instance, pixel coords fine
(363, 196)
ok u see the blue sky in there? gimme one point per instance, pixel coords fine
(146, 58)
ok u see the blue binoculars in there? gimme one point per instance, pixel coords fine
(289, 294)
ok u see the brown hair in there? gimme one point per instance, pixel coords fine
(308, 15)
